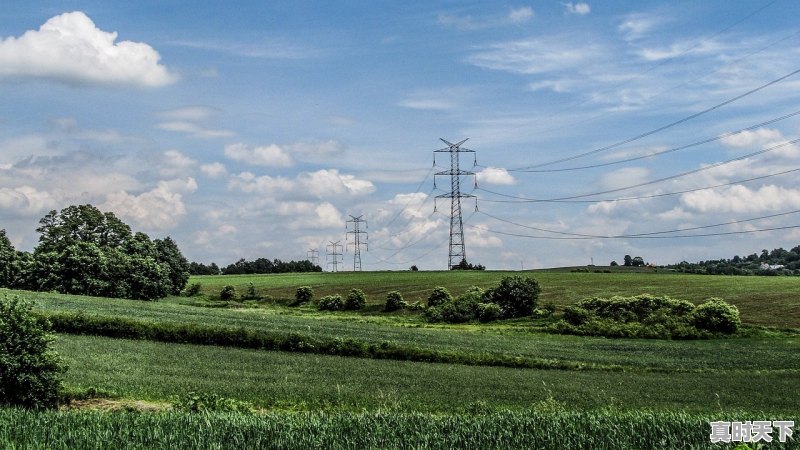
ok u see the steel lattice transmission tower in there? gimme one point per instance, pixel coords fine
(334, 251)
(357, 242)
(312, 256)
(457, 251)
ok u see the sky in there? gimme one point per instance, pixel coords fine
(257, 129)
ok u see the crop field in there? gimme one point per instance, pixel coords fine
(667, 390)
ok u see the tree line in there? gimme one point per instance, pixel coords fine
(775, 262)
(257, 266)
(85, 251)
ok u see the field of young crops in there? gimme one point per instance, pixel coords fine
(359, 379)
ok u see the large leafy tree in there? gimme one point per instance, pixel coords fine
(8, 261)
(83, 250)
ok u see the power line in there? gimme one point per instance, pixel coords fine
(659, 129)
(334, 252)
(643, 235)
(622, 199)
(672, 150)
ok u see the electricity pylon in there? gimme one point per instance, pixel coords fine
(357, 243)
(456, 251)
(333, 254)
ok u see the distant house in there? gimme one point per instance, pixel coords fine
(765, 266)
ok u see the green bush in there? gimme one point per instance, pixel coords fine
(193, 289)
(488, 312)
(356, 299)
(516, 296)
(394, 301)
(304, 294)
(29, 368)
(576, 315)
(228, 292)
(250, 293)
(717, 316)
(439, 296)
(331, 303)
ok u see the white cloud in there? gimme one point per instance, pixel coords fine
(479, 236)
(270, 155)
(624, 177)
(329, 181)
(248, 182)
(495, 175)
(316, 151)
(748, 138)
(189, 113)
(193, 129)
(578, 8)
(175, 163)
(26, 200)
(538, 55)
(214, 170)
(69, 48)
(157, 209)
(521, 15)
(636, 25)
(327, 216)
(741, 199)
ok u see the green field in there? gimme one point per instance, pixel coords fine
(619, 381)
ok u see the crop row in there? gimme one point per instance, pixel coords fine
(339, 430)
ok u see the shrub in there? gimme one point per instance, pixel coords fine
(717, 316)
(394, 301)
(439, 296)
(550, 308)
(193, 289)
(331, 303)
(417, 306)
(516, 296)
(29, 368)
(488, 312)
(576, 315)
(355, 299)
(250, 293)
(304, 294)
(228, 292)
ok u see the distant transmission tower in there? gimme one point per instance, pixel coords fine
(357, 243)
(312, 256)
(334, 250)
(457, 252)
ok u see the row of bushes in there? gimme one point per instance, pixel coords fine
(174, 332)
(648, 316)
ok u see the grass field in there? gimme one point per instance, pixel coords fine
(721, 379)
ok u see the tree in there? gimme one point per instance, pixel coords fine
(29, 368)
(627, 261)
(8, 261)
(637, 261)
(170, 254)
(517, 296)
(614, 264)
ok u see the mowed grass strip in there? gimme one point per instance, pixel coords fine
(595, 430)
(770, 301)
(157, 371)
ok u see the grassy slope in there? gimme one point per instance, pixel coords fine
(761, 300)
(156, 371)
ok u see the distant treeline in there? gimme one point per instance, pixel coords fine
(776, 262)
(260, 266)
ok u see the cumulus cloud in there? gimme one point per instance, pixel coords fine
(69, 48)
(214, 170)
(174, 163)
(329, 181)
(741, 199)
(270, 155)
(578, 8)
(157, 209)
(26, 200)
(750, 138)
(495, 175)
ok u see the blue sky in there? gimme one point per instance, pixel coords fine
(255, 129)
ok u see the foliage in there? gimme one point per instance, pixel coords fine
(209, 402)
(194, 289)
(394, 301)
(84, 251)
(488, 312)
(250, 293)
(8, 261)
(439, 296)
(355, 300)
(29, 368)
(648, 316)
(228, 292)
(331, 303)
(414, 268)
(303, 294)
(717, 316)
(768, 263)
(464, 265)
(202, 269)
(516, 295)
(264, 265)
